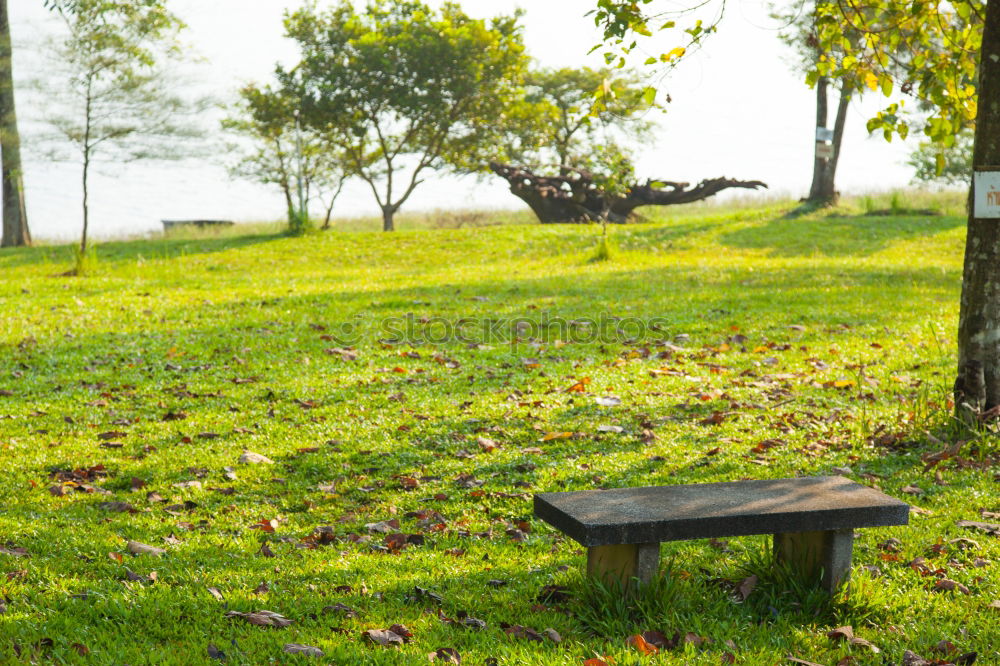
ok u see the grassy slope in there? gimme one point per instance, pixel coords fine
(167, 326)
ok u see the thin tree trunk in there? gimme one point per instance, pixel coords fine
(977, 387)
(329, 208)
(15, 217)
(819, 164)
(387, 218)
(86, 204)
(827, 191)
(289, 206)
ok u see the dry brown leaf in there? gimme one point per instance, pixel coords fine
(951, 585)
(251, 458)
(445, 655)
(841, 633)
(382, 637)
(137, 548)
(307, 650)
(262, 618)
(640, 644)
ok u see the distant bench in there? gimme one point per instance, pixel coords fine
(812, 520)
(171, 224)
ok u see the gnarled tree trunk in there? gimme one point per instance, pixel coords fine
(575, 198)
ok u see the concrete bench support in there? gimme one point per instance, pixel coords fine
(812, 520)
(621, 563)
(813, 553)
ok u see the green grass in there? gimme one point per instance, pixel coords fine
(829, 338)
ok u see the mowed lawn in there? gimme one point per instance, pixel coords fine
(408, 430)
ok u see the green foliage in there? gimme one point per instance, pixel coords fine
(928, 50)
(108, 97)
(278, 150)
(566, 123)
(299, 222)
(85, 260)
(400, 88)
(948, 165)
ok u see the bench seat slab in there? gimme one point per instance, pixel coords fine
(714, 510)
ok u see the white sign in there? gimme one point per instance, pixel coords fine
(824, 151)
(986, 185)
(824, 134)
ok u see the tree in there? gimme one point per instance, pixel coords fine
(567, 124)
(799, 34)
(400, 88)
(15, 216)
(946, 54)
(584, 196)
(283, 152)
(113, 101)
(957, 167)
(588, 138)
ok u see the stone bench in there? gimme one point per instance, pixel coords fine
(812, 520)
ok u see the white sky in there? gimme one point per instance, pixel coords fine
(738, 110)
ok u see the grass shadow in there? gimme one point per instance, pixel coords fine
(833, 235)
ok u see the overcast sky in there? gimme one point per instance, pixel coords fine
(738, 110)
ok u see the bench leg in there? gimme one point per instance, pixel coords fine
(622, 563)
(810, 552)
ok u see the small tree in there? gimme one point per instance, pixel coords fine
(948, 165)
(283, 153)
(400, 88)
(113, 101)
(15, 216)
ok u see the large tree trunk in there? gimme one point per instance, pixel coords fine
(15, 217)
(977, 388)
(575, 198)
(823, 190)
(388, 213)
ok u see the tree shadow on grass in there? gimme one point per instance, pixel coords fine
(131, 250)
(832, 235)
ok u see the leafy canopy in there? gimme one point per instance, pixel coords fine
(567, 125)
(276, 152)
(401, 83)
(922, 49)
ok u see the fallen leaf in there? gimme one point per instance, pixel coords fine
(446, 655)
(518, 631)
(382, 637)
(262, 618)
(841, 634)
(640, 644)
(988, 528)
(608, 401)
(307, 650)
(250, 458)
(553, 635)
(950, 586)
(745, 587)
(214, 591)
(117, 507)
(137, 548)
